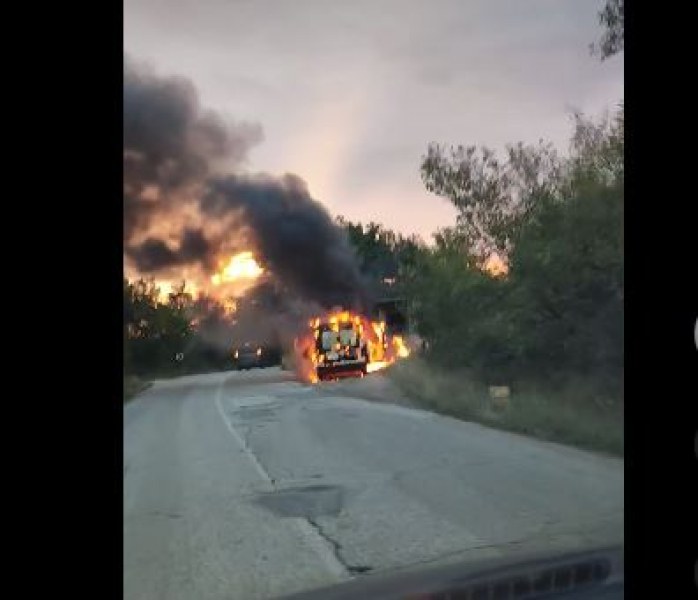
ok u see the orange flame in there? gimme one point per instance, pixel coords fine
(495, 266)
(240, 266)
(376, 366)
(400, 347)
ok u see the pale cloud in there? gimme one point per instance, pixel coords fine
(349, 94)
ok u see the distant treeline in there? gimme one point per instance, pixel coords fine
(183, 334)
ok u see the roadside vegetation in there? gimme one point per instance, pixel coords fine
(178, 335)
(525, 291)
(181, 334)
(572, 413)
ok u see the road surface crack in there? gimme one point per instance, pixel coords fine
(246, 433)
(337, 550)
(166, 514)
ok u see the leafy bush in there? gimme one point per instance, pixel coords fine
(156, 332)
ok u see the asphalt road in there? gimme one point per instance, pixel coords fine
(251, 485)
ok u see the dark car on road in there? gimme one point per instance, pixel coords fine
(249, 355)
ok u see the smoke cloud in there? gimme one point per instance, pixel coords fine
(186, 199)
(294, 234)
(171, 145)
(154, 254)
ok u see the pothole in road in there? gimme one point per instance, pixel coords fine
(308, 501)
(359, 569)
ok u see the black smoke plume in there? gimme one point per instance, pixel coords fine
(179, 157)
(295, 235)
(153, 254)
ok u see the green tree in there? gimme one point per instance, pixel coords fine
(493, 196)
(559, 310)
(179, 299)
(612, 19)
(382, 253)
(154, 332)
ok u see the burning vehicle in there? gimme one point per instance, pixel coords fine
(340, 347)
(345, 344)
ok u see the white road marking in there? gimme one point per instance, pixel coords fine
(238, 438)
(321, 546)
